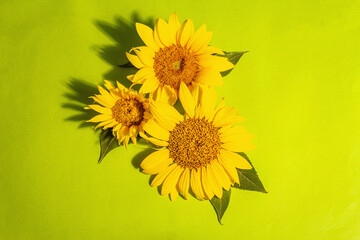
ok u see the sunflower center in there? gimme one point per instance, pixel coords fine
(194, 143)
(128, 111)
(175, 64)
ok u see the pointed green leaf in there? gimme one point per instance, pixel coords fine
(107, 143)
(233, 57)
(127, 65)
(220, 205)
(249, 179)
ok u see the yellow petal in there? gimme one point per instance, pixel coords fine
(120, 86)
(156, 35)
(196, 184)
(218, 63)
(215, 185)
(200, 39)
(147, 35)
(109, 85)
(184, 183)
(206, 184)
(174, 193)
(146, 55)
(195, 92)
(158, 180)
(174, 25)
(100, 109)
(209, 76)
(134, 60)
(210, 50)
(162, 29)
(150, 85)
(100, 118)
(155, 130)
(223, 113)
(171, 180)
(229, 168)
(237, 139)
(154, 140)
(166, 115)
(102, 124)
(223, 177)
(197, 35)
(239, 161)
(207, 103)
(110, 124)
(185, 32)
(164, 94)
(142, 75)
(186, 99)
(156, 162)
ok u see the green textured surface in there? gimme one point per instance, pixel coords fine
(298, 87)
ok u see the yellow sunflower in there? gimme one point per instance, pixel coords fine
(199, 148)
(124, 110)
(174, 53)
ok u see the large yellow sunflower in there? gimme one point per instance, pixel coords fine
(199, 148)
(124, 110)
(173, 54)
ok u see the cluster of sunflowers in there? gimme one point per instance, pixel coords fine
(199, 145)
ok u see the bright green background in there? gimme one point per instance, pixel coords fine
(298, 87)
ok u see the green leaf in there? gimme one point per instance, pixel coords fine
(249, 179)
(233, 57)
(220, 205)
(107, 143)
(127, 65)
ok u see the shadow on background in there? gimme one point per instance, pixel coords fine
(77, 97)
(123, 34)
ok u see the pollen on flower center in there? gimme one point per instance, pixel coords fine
(128, 111)
(194, 143)
(175, 64)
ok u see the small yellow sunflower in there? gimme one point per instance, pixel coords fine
(124, 110)
(173, 54)
(199, 149)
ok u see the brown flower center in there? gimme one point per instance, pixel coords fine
(194, 143)
(128, 111)
(175, 64)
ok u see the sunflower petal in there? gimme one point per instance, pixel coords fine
(206, 184)
(196, 184)
(239, 161)
(185, 32)
(143, 74)
(100, 109)
(134, 60)
(166, 115)
(158, 180)
(150, 85)
(210, 76)
(155, 130)
(237, 139)
(184, 183)
(207, 103)
(153, 140)
(186, 99)
(156, 162)
(171, 180)
(146, 55)
(229, 168)
(162, 29)
(100, 118)
(216, 186)
(218, 63)
(147, 35)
